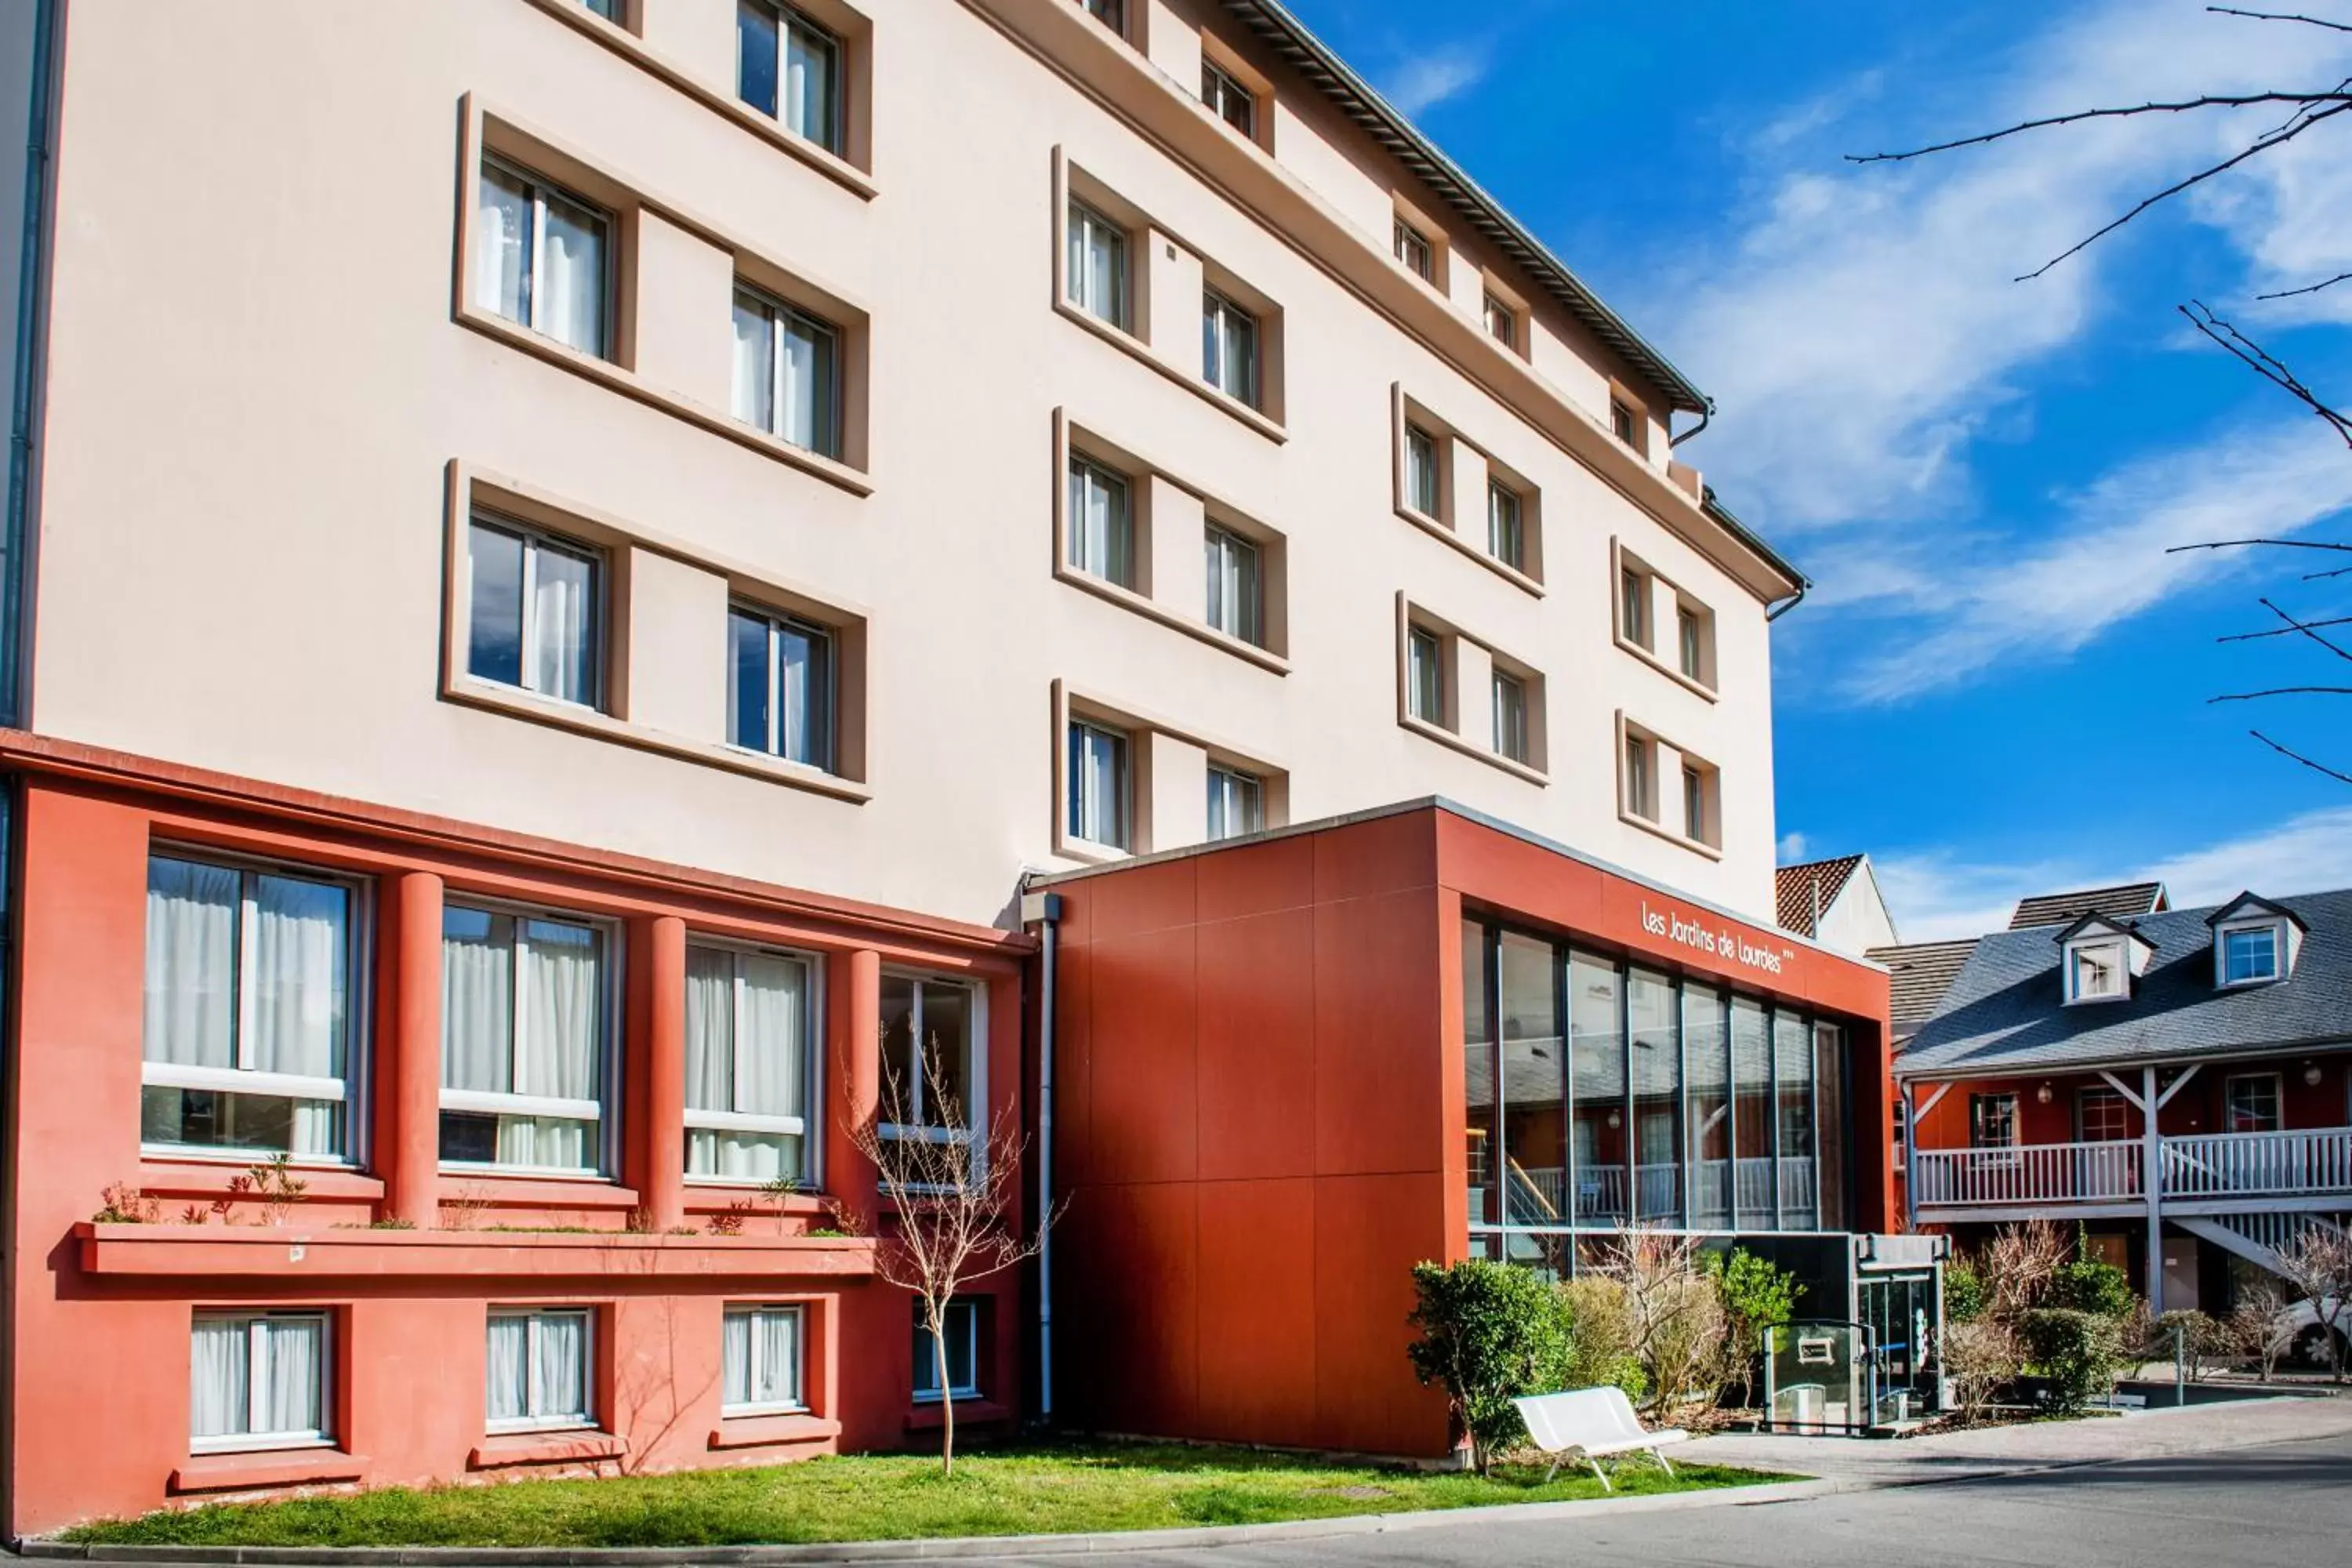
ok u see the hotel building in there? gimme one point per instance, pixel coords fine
(570, 565)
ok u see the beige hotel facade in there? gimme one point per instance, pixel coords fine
(643, 522)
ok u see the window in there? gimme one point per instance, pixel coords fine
(535, 612)
(761, 1357)
(1228, 100)
(2094, 970)
(963, 1336)
(1695, 824)
(540, 259)
(1237, 601)
(256, 1380)
(1502, 323)
(780, 686)
(1992, 1121)
(1690, 641)
(1424, 676)
(787, 373)
(1097, 266)
(931, 1077)
(246, 1037)
(1102, 523)
(1506, 538)
(1639, 799)
(536, 1374)
(1228, 347)
(1420, 471)
(1510, 717)
(2102, 1116)
(2250, 954)
(2251, 1101)
(1633, 607)
(522, 1041)
(788, 66)
(750, 1020)
(1414, 249)
(1236, 803)
(614, 11)
(1099, 785)
(1112, 14)
(1621, 423)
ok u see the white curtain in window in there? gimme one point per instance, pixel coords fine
(808, 85)
(547, 1141)
(736, 1156)
(563, 604)
(555, 1053)
(502, 245)
(559, 1365)
(299, 949)
(571, 276)
(806, 417)
(736, 1355)
(476, 1001)
(191, 1000)
(755, 363)
(779, 1334)
(771, 1055)
(293, 1359)
(709, 1029)
(217, 1379)
(508, 1394)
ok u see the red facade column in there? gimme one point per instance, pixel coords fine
(854, 987)
(663, 1190)
(412, 1158)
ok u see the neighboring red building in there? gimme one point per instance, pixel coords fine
(1275, 1085)
(2030, 1082)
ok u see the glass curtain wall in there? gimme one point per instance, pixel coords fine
(1597, 1095)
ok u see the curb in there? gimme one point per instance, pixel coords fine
(961, 1546)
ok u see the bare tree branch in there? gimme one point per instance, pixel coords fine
(2281, 543)
(2263, 364)
(2285, 631)
(2297, 756)
(2284, 691)
(2175, 106)
(2294, 624)
(2280, 16)
(2307, 288)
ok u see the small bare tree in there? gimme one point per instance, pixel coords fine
(2318, 1268)
(2017, 1265)
(1674, 1312)
(951, 1197)
(1981, 1358)
(2257, 1327)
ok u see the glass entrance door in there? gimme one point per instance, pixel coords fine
(1899, 1311)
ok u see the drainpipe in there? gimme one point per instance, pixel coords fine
(30, 369)
(1706, 415)
(1045, 909)
(1910, 1161)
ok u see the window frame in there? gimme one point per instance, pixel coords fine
(1112, 14)
(1513, 740)
(2275, 1084)
(1690, 643)
(1218, 310)
(2106, 1099)
(1120, 543)
(249, 1442)
(787, 19)
(1424, 675)
(1082, 220)
(923, 1360)
(352, 1092)
(1425, 472)
(1507, 514)
(535, 539)
(824, 731)
(537, 188)
(1497, 311)
(605, 1110)
(585, 1418)
(1247, 615)
(1624, 424)
(808, 1127)
(797, 1404)
(2273, 930)
(976, 1106)
(1227, 786)
(1998, 1110)
(1694, 814)
(2118, 954)
(1641, 784)
(1223, 94)
(1635, 591)
(1080, 806)
(775, 312)
(1406, 241)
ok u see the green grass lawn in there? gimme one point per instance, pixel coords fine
(1003, 1493)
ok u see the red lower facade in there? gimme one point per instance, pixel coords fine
(380, 1292)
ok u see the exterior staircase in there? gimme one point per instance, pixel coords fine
(2260, 1239)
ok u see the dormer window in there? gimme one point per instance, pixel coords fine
(2098, 959)
(2095, 972)
(2254, 942)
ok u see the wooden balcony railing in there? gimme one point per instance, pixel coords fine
(2233, 1164)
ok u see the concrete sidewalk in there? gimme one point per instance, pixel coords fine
(2039, 1445)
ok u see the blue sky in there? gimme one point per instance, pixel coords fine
(1999, 684)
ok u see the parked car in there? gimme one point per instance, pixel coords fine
(2306, 1336)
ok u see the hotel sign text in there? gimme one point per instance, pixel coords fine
(1721, 941)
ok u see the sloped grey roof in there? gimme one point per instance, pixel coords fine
(2116, 903)
(2004, 1011)
(1918, 974)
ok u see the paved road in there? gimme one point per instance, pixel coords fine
(2277, 1505)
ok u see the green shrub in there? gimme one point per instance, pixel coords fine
(1755, 1296)
(1964, 1292)
(1489, 1333)
(1601, 1337)
(2201, 1339)
(2076, 1353)
(2085, 1286)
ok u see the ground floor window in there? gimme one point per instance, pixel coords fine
(539, 1369)
(2254, 1102)
(762, 1356)
(2102, 1116)
(1992, 1120)
(258, 1380)
(963, 1353)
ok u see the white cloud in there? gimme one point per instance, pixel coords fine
(1790, 851)
(2104, 559)
(1934, 894)
(1428, 79)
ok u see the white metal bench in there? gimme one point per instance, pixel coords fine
(1589, 1425)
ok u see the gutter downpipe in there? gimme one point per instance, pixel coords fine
(1790, 602)
(1705, 417)
(1045, 909)
(1910, 1160)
